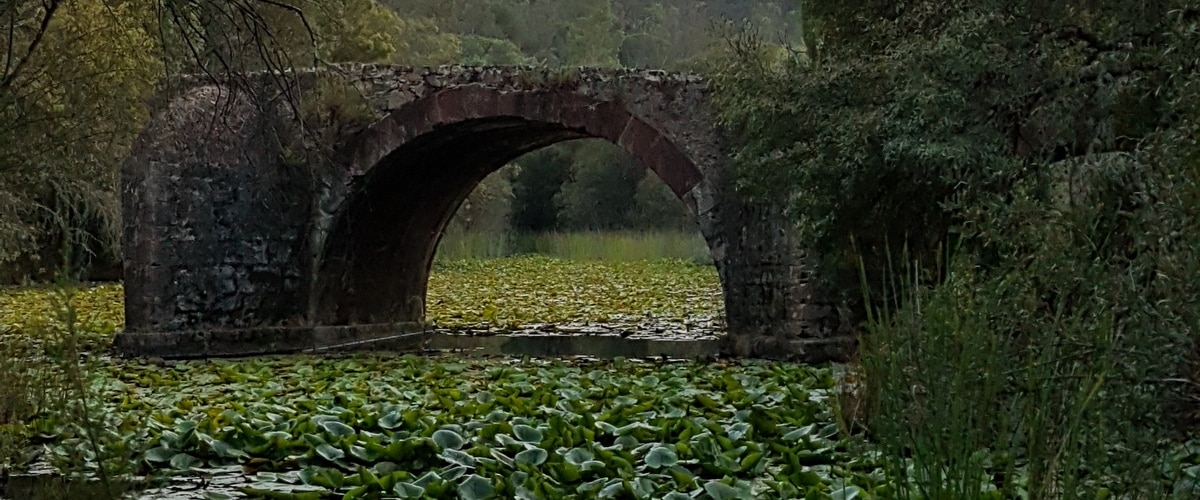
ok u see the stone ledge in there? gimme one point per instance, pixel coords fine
(412, 337)
(599, 346)
(823, 350)
(225, 343)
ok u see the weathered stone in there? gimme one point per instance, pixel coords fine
(226, 230)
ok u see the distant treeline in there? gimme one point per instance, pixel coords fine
(578, 186)
(590, 185)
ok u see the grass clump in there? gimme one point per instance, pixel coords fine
(607, 246)
(1051, 380)
(48, 381)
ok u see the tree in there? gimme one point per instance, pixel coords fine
(536, 187)
(884, 134)
(365, 31)
(599, 194)
(655, 207)
(483, 51)
(76, 76)
(592, 39)
(487, 208)
(71, 103)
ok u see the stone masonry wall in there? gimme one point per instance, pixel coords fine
(214, 222)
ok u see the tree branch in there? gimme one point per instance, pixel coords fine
(9, 78)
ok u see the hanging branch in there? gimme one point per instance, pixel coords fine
(11, 71)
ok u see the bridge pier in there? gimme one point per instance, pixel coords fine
(773, 306)
(231, 242)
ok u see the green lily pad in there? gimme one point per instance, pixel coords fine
(329, 452)
(448, 439)
(527, 434)
(337, 428)
(661, 456)
(183, 461)
(159, 454)
(408, 490)
(474, 487)
(532, 456)
(721, 491)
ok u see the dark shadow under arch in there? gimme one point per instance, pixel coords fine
(412, 170)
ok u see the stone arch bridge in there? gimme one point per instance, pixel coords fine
(249, 231)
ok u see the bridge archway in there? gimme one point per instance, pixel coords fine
(412, 169)
(234, 248)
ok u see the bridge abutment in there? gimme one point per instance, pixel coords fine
(215, 223)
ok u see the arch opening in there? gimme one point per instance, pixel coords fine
(413, 170)
(575, 238)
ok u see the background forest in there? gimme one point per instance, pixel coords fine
(77, 76)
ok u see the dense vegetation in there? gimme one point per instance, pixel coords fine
(1016, 186)
(377, 426)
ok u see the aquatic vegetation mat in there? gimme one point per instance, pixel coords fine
(521, 291)
(415, 427)
(481, 296)
(388, 426)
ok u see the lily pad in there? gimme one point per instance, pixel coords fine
(474, 487)
(660, 457)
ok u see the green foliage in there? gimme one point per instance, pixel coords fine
(904, 135)
(1055, 404)
(343, 426)
(592, 185)
(486, 210)
(70, 104)
(656, 207)
(365, 31)
(484, 51)
(1032, 161)
(346, 425)
(600, 191)
(45, 376)
(76, 76)
(536, 187)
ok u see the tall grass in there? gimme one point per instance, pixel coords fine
(984, 386)
(474, 246)
(46, 387)
(613, 246)
(23, 392)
